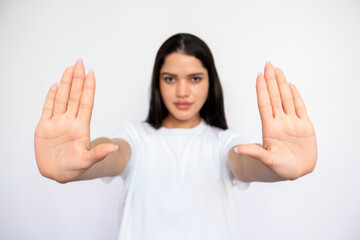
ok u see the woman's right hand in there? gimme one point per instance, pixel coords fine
(62, 136)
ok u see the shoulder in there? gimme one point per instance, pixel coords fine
(133, 128)
(223, 134)
(229, 138)
(133, 133)
(229, 134)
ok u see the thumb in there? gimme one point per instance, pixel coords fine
(255, 151)
(101, 151)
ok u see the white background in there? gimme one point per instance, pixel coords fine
(316, 43)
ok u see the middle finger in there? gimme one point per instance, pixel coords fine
(273, 89)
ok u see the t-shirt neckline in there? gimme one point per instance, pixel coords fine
(199, 126)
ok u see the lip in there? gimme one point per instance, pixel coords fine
(183, 105)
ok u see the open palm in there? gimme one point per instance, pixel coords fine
(62, 136)
(289, 142)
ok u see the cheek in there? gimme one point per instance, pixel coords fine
(165, 93)
(202, 92)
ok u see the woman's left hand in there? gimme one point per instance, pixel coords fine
(289, 142)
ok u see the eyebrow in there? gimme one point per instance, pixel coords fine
(190, 75)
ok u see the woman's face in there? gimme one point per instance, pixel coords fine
(184, 86)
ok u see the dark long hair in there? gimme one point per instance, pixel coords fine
(213, 109)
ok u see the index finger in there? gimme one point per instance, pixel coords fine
(263, 98)
(49, 103)
(299, 103)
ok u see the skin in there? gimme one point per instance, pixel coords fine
(65, 153)
(63, 149)
(183, 79)
(289, 148)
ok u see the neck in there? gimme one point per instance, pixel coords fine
(171, 122)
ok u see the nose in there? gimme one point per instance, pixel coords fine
(182, 89)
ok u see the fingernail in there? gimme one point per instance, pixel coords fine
(267, 62)
(275, 68)
(92, 71)
(236, 149)
(259, 73)
(79, 60)
(116, 148)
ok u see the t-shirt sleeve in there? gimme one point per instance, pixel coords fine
(129, 133)
(229, 139)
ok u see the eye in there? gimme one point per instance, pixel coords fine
(196, 79)
(169, 79)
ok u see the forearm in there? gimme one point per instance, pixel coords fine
(248, 169)
(113, 164)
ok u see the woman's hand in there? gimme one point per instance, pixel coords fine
(62, 136)
(289, 142)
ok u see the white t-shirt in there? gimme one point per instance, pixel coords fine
(178, 184)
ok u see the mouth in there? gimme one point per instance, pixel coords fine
(183, 105)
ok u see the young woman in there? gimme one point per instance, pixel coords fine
(180, 167)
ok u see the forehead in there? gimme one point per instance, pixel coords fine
(178, 63)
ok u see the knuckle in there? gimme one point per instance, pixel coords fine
(59, 101)
(77, 77)
(85, 107)
(47, 109)
(265, 106)
(288, 100)
(50, 97)
(261, 88)
(88, 90)
(298, 99)
(282, 83)
(270, 78)
(65, 82)
(73, 99)
(301, 108)
(275, 97)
